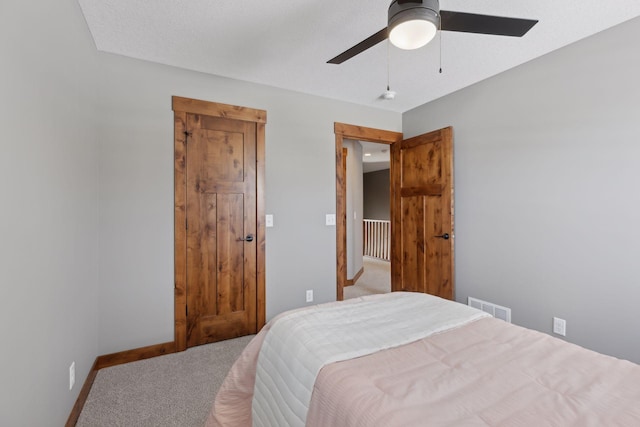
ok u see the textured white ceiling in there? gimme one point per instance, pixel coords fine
(378, 157)
(286, 43)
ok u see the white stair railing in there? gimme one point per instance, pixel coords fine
(377, 239)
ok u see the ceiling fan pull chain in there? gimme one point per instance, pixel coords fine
(388, 65)
(388, 95)
(440, 40)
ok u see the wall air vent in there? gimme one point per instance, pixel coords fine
(497, 311)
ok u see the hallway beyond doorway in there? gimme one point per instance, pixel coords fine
(376, 279)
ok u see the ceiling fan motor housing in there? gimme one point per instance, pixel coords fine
(407, 10)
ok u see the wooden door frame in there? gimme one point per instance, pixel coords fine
(181, 107)
(359, 133)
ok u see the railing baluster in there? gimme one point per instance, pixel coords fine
(377, 239)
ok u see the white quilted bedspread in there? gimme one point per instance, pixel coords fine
(300, 343)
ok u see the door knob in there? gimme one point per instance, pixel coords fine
(249, 238)
(444, 236)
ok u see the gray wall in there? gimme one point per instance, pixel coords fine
(547, 168)
(86, 168)
(354, 208)
(376, 195)
(546, 181)
(136, 192)
(48, 220)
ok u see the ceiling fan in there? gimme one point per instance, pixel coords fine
(413, 23)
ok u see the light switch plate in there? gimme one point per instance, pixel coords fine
(72, 375)
(268, 220)
(331, 219)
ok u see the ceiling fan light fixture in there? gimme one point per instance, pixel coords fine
(412, 34)
(413, 24)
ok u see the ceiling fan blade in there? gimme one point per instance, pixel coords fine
(360, 47)
(485, 24)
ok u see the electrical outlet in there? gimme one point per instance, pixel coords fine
(310, 296)
(559, 326)
(72, 375)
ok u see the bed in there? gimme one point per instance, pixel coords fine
(407, 359)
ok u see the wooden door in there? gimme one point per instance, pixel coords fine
(219, 229)
(422, 214)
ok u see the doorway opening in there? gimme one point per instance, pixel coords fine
(368, 218)
(344, 134)
(422, 215)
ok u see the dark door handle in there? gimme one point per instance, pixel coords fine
(444, 236)
(249, 238)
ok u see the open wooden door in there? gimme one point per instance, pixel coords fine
(422, 214)
(220, 244)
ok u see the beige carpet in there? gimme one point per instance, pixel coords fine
(376, 279)
(172, 390)
(178, 389)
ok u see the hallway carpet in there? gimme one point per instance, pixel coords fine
(376, 279)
